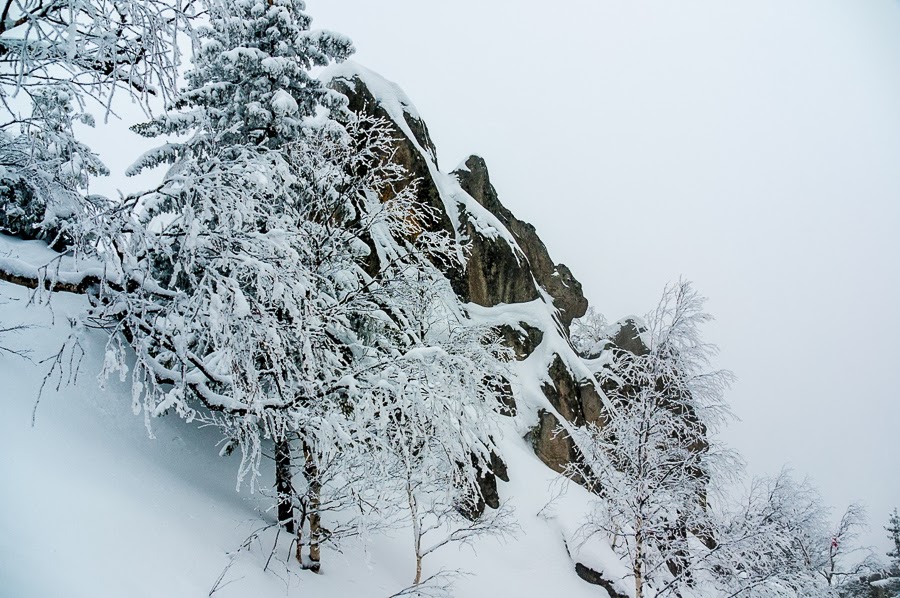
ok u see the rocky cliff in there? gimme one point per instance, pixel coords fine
(507, 277)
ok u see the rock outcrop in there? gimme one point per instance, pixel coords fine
(507, 279)
(510, 280)
(596, 578)
(506, 266)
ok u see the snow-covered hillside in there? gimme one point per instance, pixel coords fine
(115, 503)
(94, 507)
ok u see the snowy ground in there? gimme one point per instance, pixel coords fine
(91, 506)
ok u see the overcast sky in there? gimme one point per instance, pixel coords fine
(750, 146)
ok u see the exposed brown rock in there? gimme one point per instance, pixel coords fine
(556, 279)
(361, 101)
(628, 338)
(523, 341)
(488, 494)
(551, 443)
(494, 272)
(596, 578)
(564, 392)
(591, 404)
(503, 388)
(497, 273)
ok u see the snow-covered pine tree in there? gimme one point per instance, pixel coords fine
(890, 582)
(226, 296)
(217, 273)
(893, 530)
(251, 83)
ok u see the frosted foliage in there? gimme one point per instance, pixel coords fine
(893, 530)
(268, 273)
(250, 297)
(281, 283)
(775, 543)
(93, 47)
(45, 172)
(654, 461)
(590, 333)
(56, 58)
(651, 459)
(438, 432)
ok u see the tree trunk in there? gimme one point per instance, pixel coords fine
(315, 521)
(283, 484)
(829, 573)
(637, 564)
(417, 531)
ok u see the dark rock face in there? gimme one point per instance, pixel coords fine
(596, 578)
(501, 386)
(578, 402)
(516, 281)
(591, 404)
(551, 444)
(628, 338)
(564, 392)
(494, 272)
(488, 493)
(524, 341)
(361, 101)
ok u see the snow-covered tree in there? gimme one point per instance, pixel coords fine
(650, 462)
(590, 333)
(772, 543)
(777, 541)
(56, 58)
(219, 294)
(423, 431)
(887, 582)
(893, 530)
(437, 432)
(91, 47)
(46, 171)
(840, 557)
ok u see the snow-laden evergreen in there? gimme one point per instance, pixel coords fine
(251, 81)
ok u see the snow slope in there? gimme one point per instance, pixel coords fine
(93, 507)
